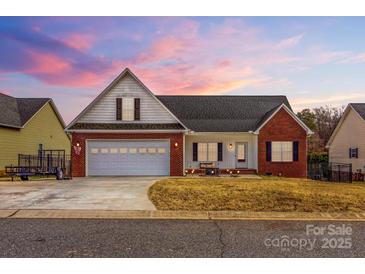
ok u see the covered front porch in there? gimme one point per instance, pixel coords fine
(220, 153)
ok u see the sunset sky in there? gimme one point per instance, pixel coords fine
(313, 60)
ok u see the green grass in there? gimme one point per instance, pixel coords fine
(266, 194)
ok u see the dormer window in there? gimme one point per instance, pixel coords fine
(128, 109)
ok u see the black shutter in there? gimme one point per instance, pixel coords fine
(137, 109)
(195, 152)
(350, 152)
(357, 152)
(295, 151)
(119, 109)
(268, 151)
(220, 152)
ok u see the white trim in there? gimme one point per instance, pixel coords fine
(339, 124)
(125, 131)
(10, 126)
(291, 113)
(184, 157)
(218, 132)
(110, 86)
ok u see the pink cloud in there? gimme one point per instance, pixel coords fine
(79, 41)
(290, 42)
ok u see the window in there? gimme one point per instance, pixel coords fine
(282, 151)
(123, 150)
(128, 109)
(142, 150)
(152, 150)
(161, 150)
(241, 152)
(354, 153)
(113, 150)
(132, 150)
(212, 152)
(94, 150)
(202, 152)
(207, 152)
(104, 150)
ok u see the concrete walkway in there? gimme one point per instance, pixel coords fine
(93, 193)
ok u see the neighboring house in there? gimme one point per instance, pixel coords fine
(347, 142)
(27, 123)
(127, 130)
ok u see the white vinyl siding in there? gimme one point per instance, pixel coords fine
(128, 109)
(282, 151)
(228, 153)
(151, 111)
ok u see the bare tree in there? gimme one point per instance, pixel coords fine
(327, 119)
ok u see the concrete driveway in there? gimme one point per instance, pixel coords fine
(113, 193)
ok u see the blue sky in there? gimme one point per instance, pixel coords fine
(313, 60)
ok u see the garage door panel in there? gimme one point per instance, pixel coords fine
(128, 158)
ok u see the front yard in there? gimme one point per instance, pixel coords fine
(266, 194)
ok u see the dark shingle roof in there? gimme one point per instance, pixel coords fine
(360, 108)
(122, 126)
(15, 112)
(223, 113)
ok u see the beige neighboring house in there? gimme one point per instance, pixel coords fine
(347, 143)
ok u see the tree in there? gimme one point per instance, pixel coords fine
(309, 118)
(322, 121)
(327, 119)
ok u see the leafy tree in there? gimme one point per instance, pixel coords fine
(309, 118)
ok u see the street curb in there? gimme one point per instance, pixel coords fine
(178, 215)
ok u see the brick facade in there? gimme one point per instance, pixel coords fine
(283, 127)
(176, 153)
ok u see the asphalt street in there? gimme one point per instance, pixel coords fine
(179, 238)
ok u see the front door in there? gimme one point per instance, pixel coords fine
(241, 155)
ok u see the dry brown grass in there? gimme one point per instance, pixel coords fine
(266, 194)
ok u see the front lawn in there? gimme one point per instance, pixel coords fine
(266, 194)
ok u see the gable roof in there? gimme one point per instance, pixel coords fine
(109, 87)
(17, 112)
(223, 113)
(358, 108)
(202, 113)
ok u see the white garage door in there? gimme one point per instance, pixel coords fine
(128, 158)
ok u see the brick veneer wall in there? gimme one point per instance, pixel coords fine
(176, 153)
(282, 127)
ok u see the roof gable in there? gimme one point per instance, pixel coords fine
(358, 108)
(16, 112)
(103, 108)
(268, 116)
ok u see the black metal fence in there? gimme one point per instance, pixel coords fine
(333, 172)
(339, 172)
